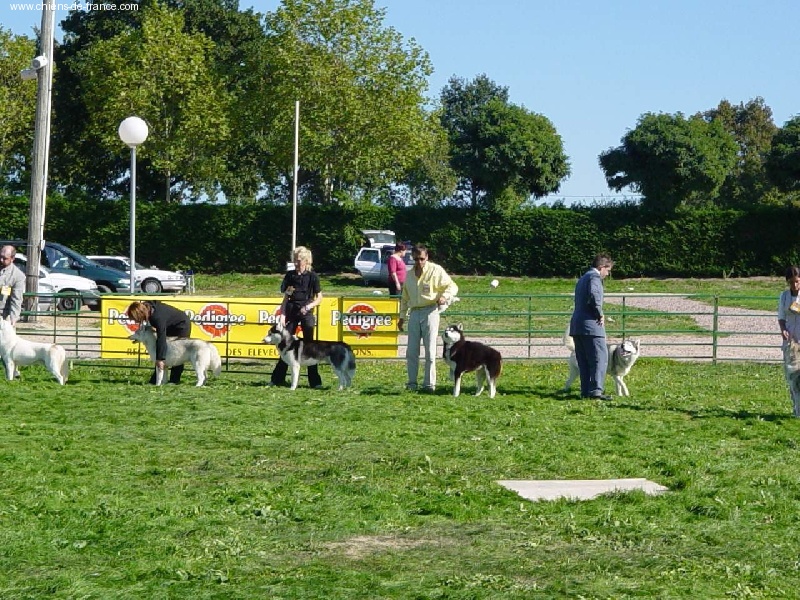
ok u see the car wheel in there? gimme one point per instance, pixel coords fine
(151, 286)
(69, 303)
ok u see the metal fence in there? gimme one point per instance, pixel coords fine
(696, 327)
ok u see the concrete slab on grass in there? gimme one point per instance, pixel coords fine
(578, 489)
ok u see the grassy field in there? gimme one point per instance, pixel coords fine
(115, 489)
(737, 292)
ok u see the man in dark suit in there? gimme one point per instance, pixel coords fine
(587, 328)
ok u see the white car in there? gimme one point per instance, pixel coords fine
(371, 263)
(152, 280)
(77, 290)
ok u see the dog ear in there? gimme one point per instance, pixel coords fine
(460, 326)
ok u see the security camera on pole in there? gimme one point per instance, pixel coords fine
(133, 131)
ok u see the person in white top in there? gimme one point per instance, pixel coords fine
(789, 322)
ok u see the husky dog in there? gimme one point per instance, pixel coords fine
(620, 360)
(791, 368)
(16, 351)
(300, 353)
(463, 356)
(202, 355)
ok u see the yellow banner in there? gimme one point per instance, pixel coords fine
(237, 326)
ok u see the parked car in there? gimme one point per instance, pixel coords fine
(371, 263)
(61, 259)
(152, 280)
(85, 290)
(379, 238)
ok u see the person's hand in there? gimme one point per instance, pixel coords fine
(441, 300)
(161, 364)
(282, 320)
(400, 324)
(785, 334)
(602, 320)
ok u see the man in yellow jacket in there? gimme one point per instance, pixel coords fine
(427, 288)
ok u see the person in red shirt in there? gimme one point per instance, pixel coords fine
(397, 269)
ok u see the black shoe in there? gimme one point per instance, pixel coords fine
(600, 397)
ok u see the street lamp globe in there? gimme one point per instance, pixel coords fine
(133, 131)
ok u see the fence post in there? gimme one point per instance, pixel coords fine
(715, 331)
(624, 300)
(530, 323)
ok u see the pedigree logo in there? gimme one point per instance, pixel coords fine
(361, 319)
(116, 316)
(215, 320)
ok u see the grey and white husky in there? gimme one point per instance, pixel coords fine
(203, 355)
(298, 353)
(621, 358)
(463, 356)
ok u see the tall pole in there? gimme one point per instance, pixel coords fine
(133, 220)
(41, 147)
(133, 131)
(294, 176)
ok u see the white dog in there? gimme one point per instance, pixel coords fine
(18, 352)
(620, 361)
(202, 355)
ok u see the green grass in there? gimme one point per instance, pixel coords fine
(116, 489)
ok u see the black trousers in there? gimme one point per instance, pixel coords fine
(174, 375)
(306, 323)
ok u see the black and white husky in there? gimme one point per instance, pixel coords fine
(299, 353)
(464, 356)
(791, 367)
(621, 358)
(203, 355)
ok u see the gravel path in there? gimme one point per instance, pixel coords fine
(744, 334)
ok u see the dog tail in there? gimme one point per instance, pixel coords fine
(568, 341)
(216, 361)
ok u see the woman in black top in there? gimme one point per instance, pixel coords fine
(301, 294)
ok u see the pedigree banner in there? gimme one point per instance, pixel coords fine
(237, 326)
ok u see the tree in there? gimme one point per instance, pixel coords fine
(462, 104)
(518, 151)
(360, 87)
(17, 111)
(752, 127)
(161, 74)
(504, 151)
(232, 62)
(431, 179)
(783, 161)
(671, 160)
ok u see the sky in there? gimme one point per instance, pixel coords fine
(593, 68)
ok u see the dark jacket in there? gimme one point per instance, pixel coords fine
(588, 305)
(168, 321)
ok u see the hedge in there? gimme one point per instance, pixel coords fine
(534, 242)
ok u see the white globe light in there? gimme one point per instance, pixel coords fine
(133, 131)
(494, 283)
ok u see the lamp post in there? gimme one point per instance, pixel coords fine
(133, 131)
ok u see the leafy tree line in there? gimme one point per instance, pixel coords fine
(534, 241)
(217, 87)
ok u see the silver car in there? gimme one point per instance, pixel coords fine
(371, 263)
